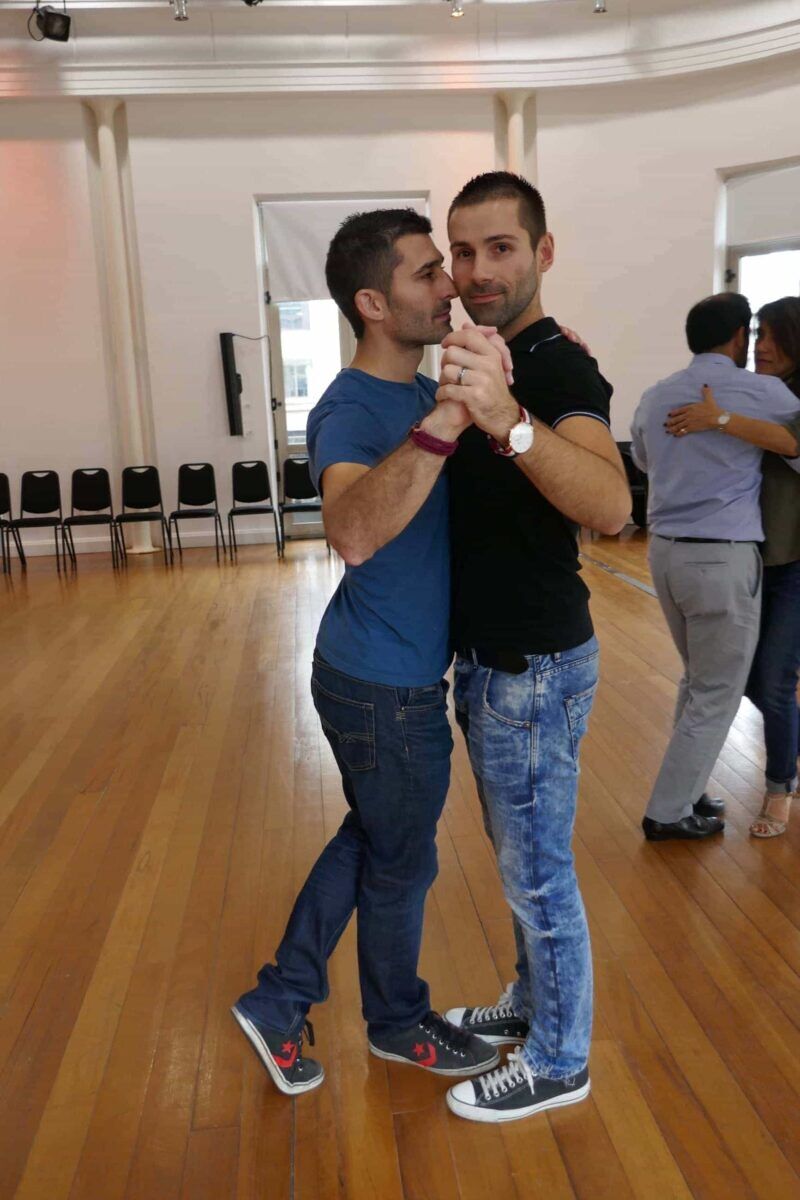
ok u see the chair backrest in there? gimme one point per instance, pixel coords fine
(636, 477)
(40, 493)
(91, 490)
(250, 482)
(297, 483)
(141, 487)
(5, 496)
(197, 487)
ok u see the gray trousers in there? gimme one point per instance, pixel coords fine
(711, 596)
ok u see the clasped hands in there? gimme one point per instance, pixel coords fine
(474, 382)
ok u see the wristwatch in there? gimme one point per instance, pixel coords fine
(722, 419)
(520, 438)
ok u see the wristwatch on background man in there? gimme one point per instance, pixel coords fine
(722, 419)
(520, 438)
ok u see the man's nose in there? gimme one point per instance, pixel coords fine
(449, 290)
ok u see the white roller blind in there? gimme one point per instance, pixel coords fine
(298, 233)
(764, 207)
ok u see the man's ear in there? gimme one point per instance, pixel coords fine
(545, 252)
(371, 305)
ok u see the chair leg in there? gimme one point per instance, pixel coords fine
(6, 563)
(232, 536)
(216, 539)
(122, 549)
(221, 534)
(20, 549)
(58, 557)
(177, 536)
(167, 538)
(67, 548)
(113, 544)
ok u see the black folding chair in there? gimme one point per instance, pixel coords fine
(6, 529)
(40, 495)
(299, 493)
(197, 491)
(252, 498)
(141, 503)
(91, 504)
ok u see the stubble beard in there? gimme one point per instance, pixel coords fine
(508, 308)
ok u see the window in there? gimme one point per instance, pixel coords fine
(764, 274)
(295, 380)
(294, 315)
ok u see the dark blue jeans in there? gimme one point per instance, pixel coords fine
(773, 677)
(392, 747)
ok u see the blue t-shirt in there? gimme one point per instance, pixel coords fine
(388, 619)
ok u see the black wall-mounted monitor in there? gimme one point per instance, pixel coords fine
(233, 385)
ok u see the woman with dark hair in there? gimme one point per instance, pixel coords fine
(772, 686)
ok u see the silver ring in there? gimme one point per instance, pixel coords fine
(461, 374)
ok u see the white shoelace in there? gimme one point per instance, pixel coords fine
(501, 1011)
(515, 1071)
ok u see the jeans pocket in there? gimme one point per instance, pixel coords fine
(579, 708)
(509, 698)
(349, 726)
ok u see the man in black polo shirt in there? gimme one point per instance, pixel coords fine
(537, 463)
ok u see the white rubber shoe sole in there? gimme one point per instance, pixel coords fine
(474, 1112)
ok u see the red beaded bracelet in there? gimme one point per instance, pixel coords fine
(434, 445)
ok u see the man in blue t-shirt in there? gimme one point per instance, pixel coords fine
(378, 443)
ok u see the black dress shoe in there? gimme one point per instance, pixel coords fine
(709, 806)
(691, 827)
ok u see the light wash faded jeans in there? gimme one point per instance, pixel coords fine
(523, 733)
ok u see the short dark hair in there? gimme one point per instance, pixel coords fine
(504, 185)
(714, 321)
(783, 318)
(362, 254)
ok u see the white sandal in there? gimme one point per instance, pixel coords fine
(767, 826)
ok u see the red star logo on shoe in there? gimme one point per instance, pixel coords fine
(289, 1049)
(419, 1050)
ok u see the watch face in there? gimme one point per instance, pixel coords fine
(521, 438)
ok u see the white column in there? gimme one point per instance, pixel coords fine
(120, 298)
(515, 110)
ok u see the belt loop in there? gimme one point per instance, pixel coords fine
(474, 656)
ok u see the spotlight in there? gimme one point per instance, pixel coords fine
(252, 3)
(52, 25)
(599, 6)
(456, 10)
(181, 9)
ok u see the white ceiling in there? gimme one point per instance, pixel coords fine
(128, 47)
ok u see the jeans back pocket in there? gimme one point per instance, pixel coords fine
(349, 726)
(579, 708)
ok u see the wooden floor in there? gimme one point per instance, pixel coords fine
(164, 788)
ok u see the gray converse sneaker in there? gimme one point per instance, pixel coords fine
(514, 1091)
(437, 1046)
(282, 1056)
(495, 1023)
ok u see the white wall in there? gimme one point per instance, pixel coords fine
(631, 174)
(55, 410)
(198, 169)
(631, 177)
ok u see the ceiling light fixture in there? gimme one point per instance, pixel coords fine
(181, 9)
(599, 6)
(456, 10)
(52, 24)
(252, 3)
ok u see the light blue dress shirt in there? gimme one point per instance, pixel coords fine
(707, 485)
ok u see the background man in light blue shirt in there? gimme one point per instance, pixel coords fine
(705, 522)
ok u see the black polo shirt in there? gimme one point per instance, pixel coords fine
(515, 557)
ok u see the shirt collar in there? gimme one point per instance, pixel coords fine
(529, 338)
(702, 360)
